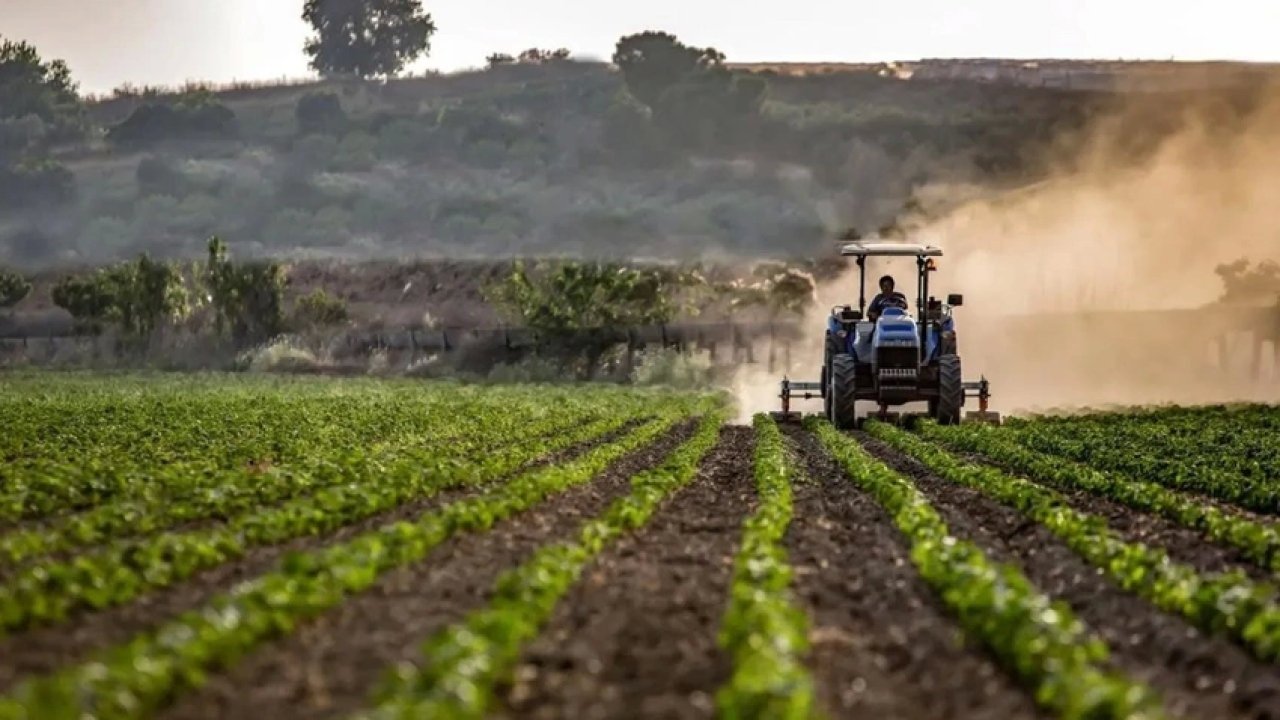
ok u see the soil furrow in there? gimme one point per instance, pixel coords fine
(636, 637)
(883, 644)
(42, 650)
(329, 667)
(1184, 544)
(1199, 676)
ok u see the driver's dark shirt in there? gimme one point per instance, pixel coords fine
(881, 301)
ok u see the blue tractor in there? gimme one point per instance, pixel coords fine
(891, 357)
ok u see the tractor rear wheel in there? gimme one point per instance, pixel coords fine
(842, 392)
(946, 409)
(826, 389)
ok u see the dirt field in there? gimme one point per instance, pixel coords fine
(607, 559)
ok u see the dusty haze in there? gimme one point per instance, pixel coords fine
(1104, 232)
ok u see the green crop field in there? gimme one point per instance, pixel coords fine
(230, 546)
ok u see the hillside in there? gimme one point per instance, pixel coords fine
(527, 160)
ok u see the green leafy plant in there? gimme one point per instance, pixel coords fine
(247, 298)
(1037, 639)
(1228, 603)
(13, 288)
(763, 630)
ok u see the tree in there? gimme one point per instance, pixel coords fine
(1246, 284)
(778, 289)
(652, 62)
(29, 86)
(247, 298)
(695, 100)
(366, 38)
(13, 288)
(137, 296)
(580, 309)
(320, 112)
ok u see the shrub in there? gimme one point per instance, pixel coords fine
(194, 117)
(247, 298)
(159, 176)
(137, 296)
(13, 288)
(320, 113)
(356, 153)
(35, 183)
(319, 309)
(671, 368)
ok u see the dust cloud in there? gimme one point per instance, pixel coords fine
(1073, 285)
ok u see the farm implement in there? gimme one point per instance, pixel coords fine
(887, 357)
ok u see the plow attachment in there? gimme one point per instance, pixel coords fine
(808, 390)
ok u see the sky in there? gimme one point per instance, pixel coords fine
(167, 42)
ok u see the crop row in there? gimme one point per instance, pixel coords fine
(460, 665)
(120, 572)
(1036, 639)
(194, 496)
(1260, 542)
(1214, 455)
(1229, 603)
(164, 426)
(58, 480)
(134, 679)
(763, 631)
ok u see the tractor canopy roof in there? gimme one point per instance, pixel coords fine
(886, 248)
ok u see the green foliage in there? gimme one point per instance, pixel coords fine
(562, 298)
(319, 309)
(320, 112)
(247, 298)
(1231, 457)
(13, 287)
(1034, 637)
(778, 289)
(193, 116)
(333, 486)
(462, 664)
(35, 184)
(18, 136)
(158, 175)
(1228, 603)
(366, 38)
(695, 100)
(763, 630)
(653, 62)
(137, 296)
(1257, 541)
(32, 87)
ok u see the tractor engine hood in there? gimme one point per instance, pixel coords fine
(896, 329)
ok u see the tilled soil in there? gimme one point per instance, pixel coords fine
(328, 667)
(45, 649)
(636, 638)
(883, 646)
(1183, 544)
(1199, 676)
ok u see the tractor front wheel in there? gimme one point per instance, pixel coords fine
(946, 408)
(842, 392)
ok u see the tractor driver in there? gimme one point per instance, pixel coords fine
(887, 298)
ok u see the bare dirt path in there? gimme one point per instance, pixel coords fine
(636, 638)
(329, 667)
(883, 645)
(1199, 676)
